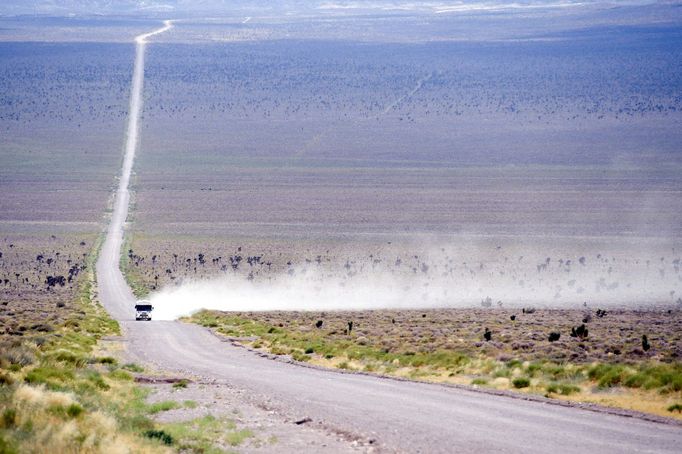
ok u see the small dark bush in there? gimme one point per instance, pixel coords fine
(106, 360)
(521, 382)
(554, 336)
(645, 343)
(43, 328)
(6, 380)
(488, 335)
(319, 324)
(160, 435)
(132, 367)
(181, 384)
(580, 332)
(675, 407)
(74, 410)
(9, 417)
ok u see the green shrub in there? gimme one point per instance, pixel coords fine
(132, 367)
(165, 405)
(181, 384)
(563, 389)
(479, 381)
(675, 407)
(513, 363)
(74, 410)
(238, 437)
(9, 418)
(106, 360)
(298, 356)
(160, 435)
(6, 380)
(53, 377)
(567, 390)
(521, 382)
(120, 374)
(6, 446)
(607, 375)
(69, 357)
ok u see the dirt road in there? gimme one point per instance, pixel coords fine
(397, 416)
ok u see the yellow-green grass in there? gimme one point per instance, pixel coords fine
(58, 395)
(647, 385)
(207, 434)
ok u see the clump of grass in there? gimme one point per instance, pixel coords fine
(675, 407)
(562, 389)
(205, 434)
(607, 375)
(132, 367)
(238, 437)
(121, 375)
(165, 405)
(160, 435)
(190, 404)
(181, 384)
(479, 381)
(521, 382)
(105, 360)
(298, 356)
(664, 377)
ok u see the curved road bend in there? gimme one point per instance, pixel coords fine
(403, 416)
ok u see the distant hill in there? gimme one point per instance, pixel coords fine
(67, 7)
(189, 7)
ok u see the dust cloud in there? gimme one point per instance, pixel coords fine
(437, 281)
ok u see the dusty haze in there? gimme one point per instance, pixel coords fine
(443, 277)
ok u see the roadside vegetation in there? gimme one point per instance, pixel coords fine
(61, 387)
(58, 393)
(129, 264)
(454, 346)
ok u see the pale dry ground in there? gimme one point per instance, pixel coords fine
(272, 430)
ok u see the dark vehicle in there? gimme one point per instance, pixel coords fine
(143, 310)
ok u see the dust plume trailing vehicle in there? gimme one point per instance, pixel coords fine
(143, 310)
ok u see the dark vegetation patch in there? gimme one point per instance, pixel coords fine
(40, 277)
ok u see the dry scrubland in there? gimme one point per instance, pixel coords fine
(58, 392)
(308, 155)
(62, 388)
(607, 361)
(335, 159)
(62, 114)
(302, 138)
(426, 270)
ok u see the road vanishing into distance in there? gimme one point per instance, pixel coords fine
(400, 416)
